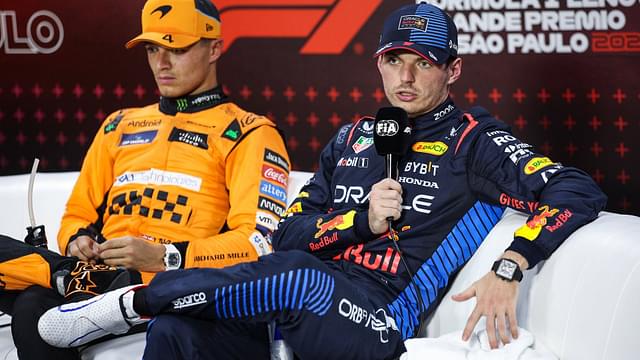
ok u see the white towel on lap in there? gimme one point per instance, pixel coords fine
(451, 347)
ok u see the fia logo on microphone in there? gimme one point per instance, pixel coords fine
(387, 128)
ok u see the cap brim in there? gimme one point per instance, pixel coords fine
(174, 41)
(434, 55)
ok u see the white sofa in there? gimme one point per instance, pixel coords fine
(584, 303)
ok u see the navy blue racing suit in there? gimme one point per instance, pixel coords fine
(338, 291)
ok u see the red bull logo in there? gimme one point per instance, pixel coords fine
(340, 222)
(370, 260)
(532, 228)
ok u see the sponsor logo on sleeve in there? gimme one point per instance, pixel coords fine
(517, 204)
(536, 164)
(340, 222)
(260, 243)
(561, 219)
(266, 220)
(532, 228)
(294, 208)
(505, 139)
(437, 148)
(190, 300)
(275, 175)
(139, 138)
(302, 194)
(233, 131)
(271, 206)
(192, 138)
(272, 157)
(342, 134)
(113, 124)
(362, 144)
(277, 192)
(496, 132)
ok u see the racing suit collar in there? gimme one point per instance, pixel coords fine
(440, 113)
(193, 103)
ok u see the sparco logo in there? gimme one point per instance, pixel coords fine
(190, 300)
(387, 127)
(329, 26)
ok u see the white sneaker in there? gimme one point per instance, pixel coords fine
(78, 323)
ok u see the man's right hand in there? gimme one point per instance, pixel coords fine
(385, 200)
(84, 248)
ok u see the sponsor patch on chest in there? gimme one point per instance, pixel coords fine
(139, 138)
(192, 138)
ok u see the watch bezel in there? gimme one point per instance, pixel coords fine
(507, 269)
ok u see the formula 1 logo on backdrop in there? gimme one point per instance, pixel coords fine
(328, 25)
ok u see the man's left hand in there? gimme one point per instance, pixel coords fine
(133, 253)
(496, 300)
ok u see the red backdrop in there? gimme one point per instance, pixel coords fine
(564, 74)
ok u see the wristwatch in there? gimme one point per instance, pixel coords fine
(172, 257)
(508, 270)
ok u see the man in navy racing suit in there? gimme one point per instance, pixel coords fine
(336, 286)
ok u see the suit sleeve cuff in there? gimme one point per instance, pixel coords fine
(361, 228)
(528, 249)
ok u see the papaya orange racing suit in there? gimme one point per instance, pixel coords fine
(196, 172)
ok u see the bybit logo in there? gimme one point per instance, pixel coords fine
(328, 25)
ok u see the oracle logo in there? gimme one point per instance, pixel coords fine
(270, 173)
(328, 25)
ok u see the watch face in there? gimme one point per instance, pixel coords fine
(506, 269)
(173, 259)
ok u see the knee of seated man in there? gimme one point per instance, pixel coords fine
(27, 309)
(34, 301)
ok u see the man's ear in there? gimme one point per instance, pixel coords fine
(454, 70)
(379, 62)
(215, 50)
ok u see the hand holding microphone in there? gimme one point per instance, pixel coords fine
(392, 137)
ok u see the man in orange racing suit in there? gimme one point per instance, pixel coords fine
(191, 181)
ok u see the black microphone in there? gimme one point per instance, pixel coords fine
(392, 137)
